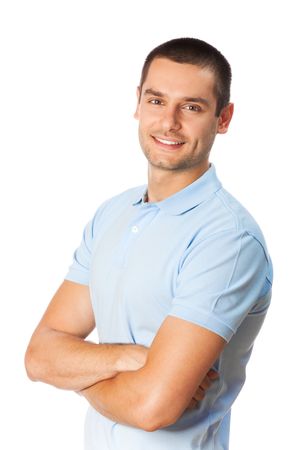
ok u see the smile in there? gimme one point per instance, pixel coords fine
(163, 141)
(171, 144)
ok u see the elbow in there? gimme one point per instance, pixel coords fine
(154, 423)
(32, 364)
(156, 416)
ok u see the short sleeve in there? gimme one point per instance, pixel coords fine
(221, 279)
(79, 271)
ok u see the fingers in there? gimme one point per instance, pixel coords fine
(205, 383)
(199, 394)
(208, 379)
(193, 404)
(213, 374)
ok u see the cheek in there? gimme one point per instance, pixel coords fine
(196, 131)
(149, 118)
(147, 125)
(205, 129)
(201, 134)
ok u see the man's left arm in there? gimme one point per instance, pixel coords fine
(221, 279)
(156, 395)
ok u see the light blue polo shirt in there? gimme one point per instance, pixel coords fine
(197, 255)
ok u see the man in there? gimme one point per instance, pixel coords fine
(175, 275)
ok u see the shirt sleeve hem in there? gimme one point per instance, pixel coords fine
(204, 320)
(77, 277)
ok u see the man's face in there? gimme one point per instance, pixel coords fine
(176, 113)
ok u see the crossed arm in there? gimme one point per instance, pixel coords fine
(145, 388)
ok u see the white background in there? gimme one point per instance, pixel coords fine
(68, 141)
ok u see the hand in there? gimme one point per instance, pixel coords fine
(200, 392)
(133, 358)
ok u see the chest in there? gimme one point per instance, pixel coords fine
(134, 270)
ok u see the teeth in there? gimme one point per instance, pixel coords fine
(169, 142)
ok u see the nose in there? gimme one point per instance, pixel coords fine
(170, 120)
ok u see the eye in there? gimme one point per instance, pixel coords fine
(195, 108)
(155, 101)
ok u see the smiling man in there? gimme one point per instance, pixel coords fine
(178, 118)
(175, 274)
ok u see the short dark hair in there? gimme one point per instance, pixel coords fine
(194, 51)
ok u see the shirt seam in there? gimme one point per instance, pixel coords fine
(232, 273)
(219, 194)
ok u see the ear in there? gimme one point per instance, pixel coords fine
(138, 93)
(225, 118)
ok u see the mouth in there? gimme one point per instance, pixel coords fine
(169, 144)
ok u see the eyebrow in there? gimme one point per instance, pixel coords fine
(185, 99)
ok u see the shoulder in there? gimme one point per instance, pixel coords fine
(237, 217)
(243, 226)
(223, 223)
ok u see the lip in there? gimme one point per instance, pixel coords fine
(167, 146)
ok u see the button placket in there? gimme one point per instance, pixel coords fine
(138, 224)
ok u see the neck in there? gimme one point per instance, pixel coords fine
(164, 183)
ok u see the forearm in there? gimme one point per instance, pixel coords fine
(138, 399)
(122, 399)
(69, 362)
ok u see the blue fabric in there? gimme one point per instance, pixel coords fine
(197, 255)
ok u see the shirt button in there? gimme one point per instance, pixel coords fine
(134, 229)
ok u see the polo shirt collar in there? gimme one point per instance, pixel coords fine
(188, 197)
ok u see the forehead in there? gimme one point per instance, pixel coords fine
(180, 80)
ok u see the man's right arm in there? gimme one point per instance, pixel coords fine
(58, 353)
